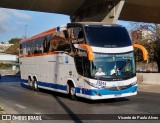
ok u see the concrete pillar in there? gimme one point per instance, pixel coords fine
(114, 14)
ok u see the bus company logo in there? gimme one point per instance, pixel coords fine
(21, 117)
(6, 117)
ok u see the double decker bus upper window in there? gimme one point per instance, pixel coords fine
(107, 36)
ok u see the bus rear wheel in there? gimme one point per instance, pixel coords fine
(72, 92)
(30, 83)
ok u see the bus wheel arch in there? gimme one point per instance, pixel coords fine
(71, 89)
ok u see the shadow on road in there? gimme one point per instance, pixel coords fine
(117, 100)
(70, 113)
(83, 100)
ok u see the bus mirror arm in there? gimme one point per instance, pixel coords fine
(89, 51)
(67, 50)
(144, 51)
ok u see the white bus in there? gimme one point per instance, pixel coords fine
(89, 60)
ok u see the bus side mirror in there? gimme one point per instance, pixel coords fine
(144, 51)
(89, 51)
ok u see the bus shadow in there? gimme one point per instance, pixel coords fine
(70, 114)
(88, 101)
(103, 101)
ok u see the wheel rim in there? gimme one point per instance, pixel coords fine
(72, 91)
(35, 85)
(30, 83)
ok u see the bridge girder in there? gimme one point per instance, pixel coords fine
(93, 10)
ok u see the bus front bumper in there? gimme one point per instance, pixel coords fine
(107, 94)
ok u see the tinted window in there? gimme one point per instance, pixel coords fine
(82, 63)
(107, 36)
(49, 43)
(59, 42)
(79, 66)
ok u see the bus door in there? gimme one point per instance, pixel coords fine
(58, 67)
(82, 65)
(76, 36)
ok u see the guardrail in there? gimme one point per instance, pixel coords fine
(8, 72)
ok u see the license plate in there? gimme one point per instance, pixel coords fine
(101, 83)
(117, 95)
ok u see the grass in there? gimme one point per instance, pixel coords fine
(1, 108)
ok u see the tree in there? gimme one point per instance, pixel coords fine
(14, 49)
(14, 40)
(152, 45)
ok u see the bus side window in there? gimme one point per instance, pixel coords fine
(79, 64)
(45, 45)
(20, 46)
(66, 35)
(82, 63)
(77, 35)
(20, 49)
(41, 49)
(59, 42)
(81, 39)
(67, 46)
(24, 50)
(73, 34)
(86, 65)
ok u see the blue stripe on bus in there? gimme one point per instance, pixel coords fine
(49, 85)
(24, 81)
(84, 91)
(24, 86)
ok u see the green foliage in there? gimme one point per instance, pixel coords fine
(14, 49)
(5, 66)
(1, 108)
(152, 45)
(14, 40)
(153, 48)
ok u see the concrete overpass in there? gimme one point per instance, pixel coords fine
(93, 10)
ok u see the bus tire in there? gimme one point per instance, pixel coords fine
(35, 85)
(72, 92)
(30, 83)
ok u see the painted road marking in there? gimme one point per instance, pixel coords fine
(20, 106)
(37, 113)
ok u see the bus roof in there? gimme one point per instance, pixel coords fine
(68, 25)
(90, 23)
(39, 35)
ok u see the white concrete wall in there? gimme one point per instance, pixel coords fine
(149, 78)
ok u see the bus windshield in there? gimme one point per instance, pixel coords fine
(107, 36)
(113, 66)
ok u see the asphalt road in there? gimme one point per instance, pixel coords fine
(25, 101)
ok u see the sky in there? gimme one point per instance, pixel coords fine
(14, 22)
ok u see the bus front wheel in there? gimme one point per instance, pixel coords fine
(35, 85)
(72, 92)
